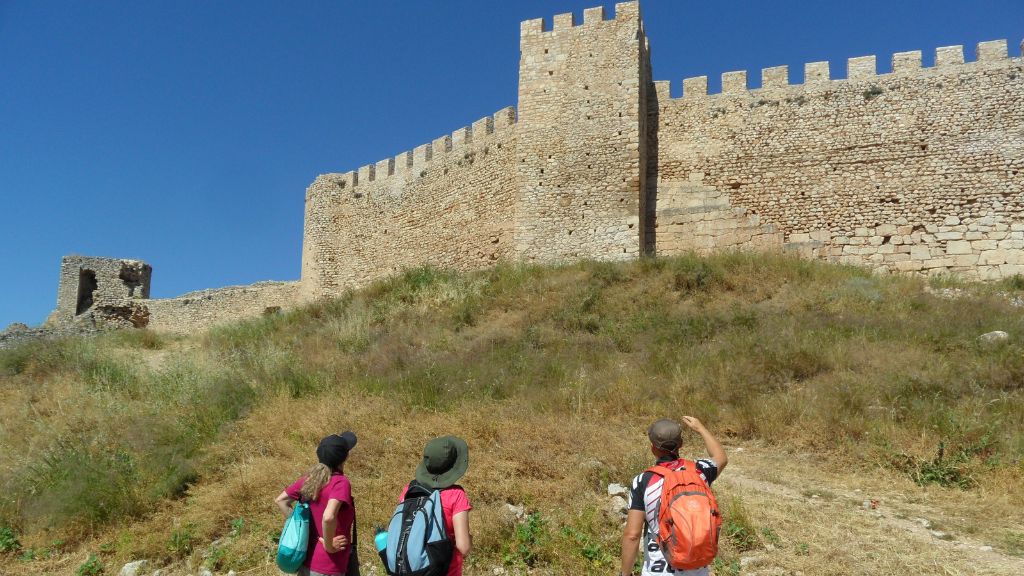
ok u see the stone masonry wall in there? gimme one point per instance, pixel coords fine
(448, 203)
(579, 160)
(201, 310)
(921, 169)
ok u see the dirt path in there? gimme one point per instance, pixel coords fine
(829, 523)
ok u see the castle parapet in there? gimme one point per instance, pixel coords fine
(992, 51)
(411, 163)
(591, 17)
(904, 62)
(860, 68)
(775, 77)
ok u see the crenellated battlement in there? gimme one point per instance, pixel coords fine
(860, 68)
(591, 17)
(911, 168)
(412, 163)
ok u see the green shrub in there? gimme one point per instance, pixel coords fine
(724, 567)
(91, 567)
(182, 540)
(950, 471)
(737, 528)
(529, 539)
(596, 555)
(237, 526)
(8, 541)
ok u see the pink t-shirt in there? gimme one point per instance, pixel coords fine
(453, 501)
(337, 488)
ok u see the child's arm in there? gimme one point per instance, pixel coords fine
(463, 539)
(284, 503)
(714, 448)
(330, 524)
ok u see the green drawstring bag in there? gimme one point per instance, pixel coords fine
(294, 541)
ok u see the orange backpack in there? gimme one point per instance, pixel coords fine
(688, 518)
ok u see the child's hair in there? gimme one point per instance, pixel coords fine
(316, 478)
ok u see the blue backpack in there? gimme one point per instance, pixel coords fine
(418, 544)
(294, 542)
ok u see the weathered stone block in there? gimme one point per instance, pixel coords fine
(958, 247)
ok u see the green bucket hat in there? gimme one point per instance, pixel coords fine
(445, 460)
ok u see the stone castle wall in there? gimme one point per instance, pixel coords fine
(449, 203)
(201, 310)
(921, 169)
(917, 170)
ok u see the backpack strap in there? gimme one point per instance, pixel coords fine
(659, 470)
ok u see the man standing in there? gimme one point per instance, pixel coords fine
(645, 496)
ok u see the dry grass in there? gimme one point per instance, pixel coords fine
(552, 376)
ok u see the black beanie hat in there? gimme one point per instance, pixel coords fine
(333, 450)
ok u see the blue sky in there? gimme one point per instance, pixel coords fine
(184, 133)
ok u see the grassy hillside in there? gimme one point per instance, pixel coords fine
(136, 445)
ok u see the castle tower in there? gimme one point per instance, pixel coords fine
(582, 115)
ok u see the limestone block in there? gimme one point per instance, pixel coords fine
(992, 257)
(1007, 270)
(949, 236)
(966, 260)
(885, 230)
(908, 266)
(958, 247)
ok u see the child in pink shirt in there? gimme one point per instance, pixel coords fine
(327, 491)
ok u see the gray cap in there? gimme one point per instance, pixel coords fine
(666, 434)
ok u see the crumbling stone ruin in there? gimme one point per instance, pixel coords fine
(917, 170)
(100, 291)
(97, 294)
